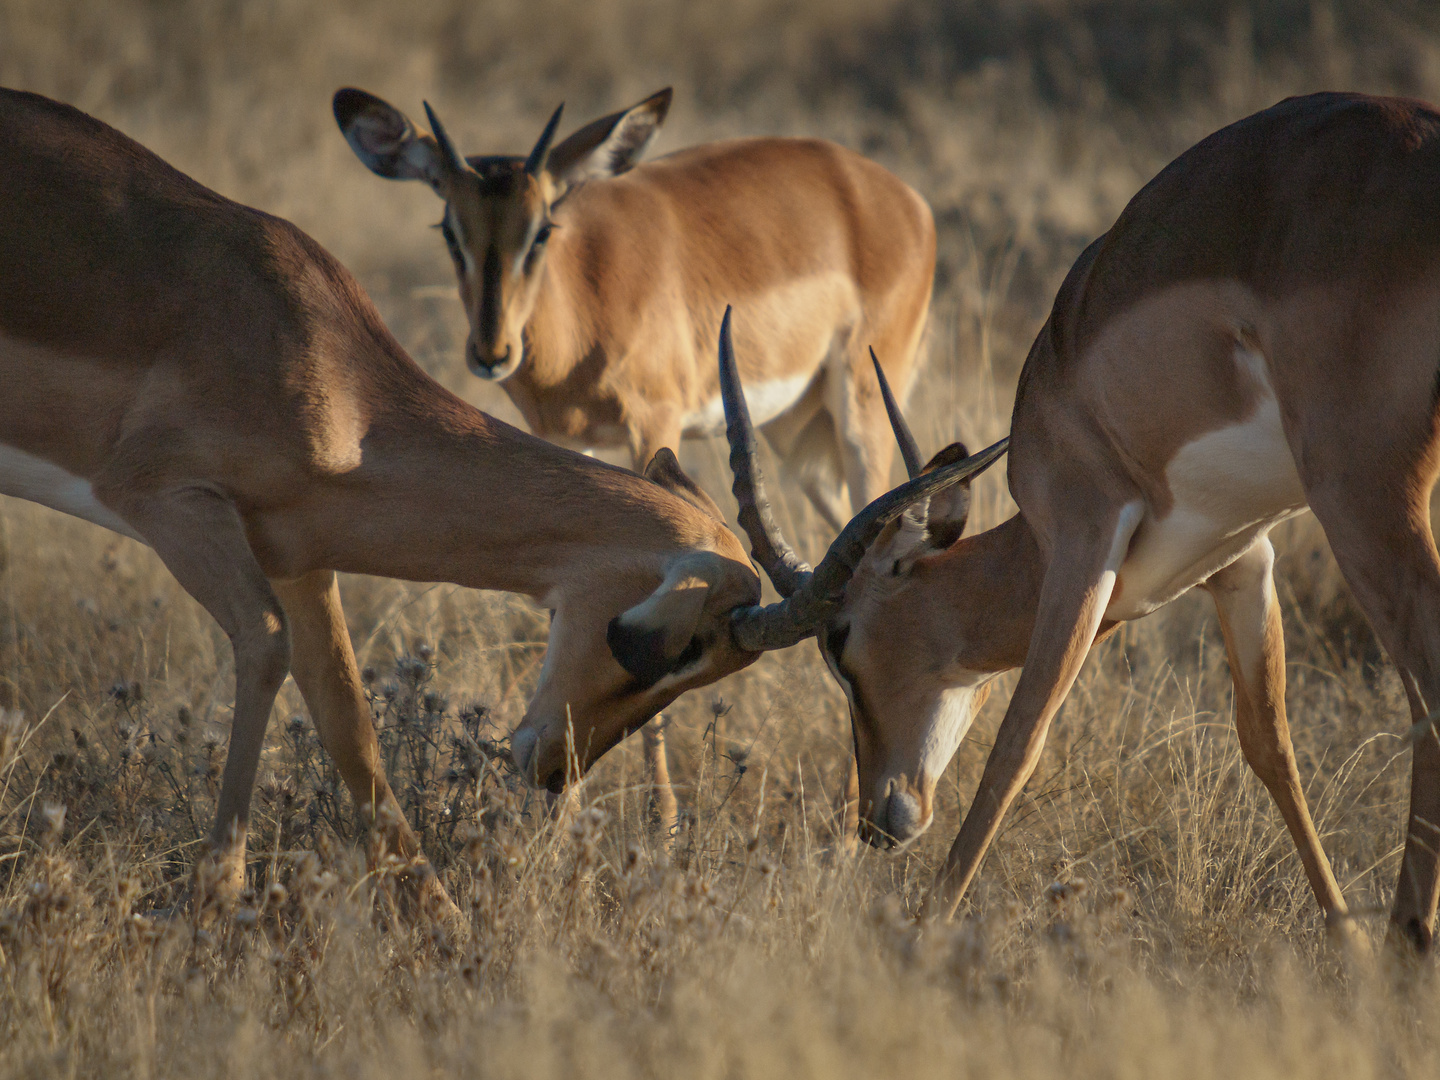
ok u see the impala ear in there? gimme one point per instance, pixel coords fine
(609, 146)
(386, 141)
(950, 509)
(657, 636)
(664, 469)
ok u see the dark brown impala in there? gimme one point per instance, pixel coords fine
(1257, 334)
(206, 379)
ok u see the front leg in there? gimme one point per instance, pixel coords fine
(324, 668)
(1076, 591)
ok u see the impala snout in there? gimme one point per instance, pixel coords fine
(523, 743)
(548, 755)
(494, 364)
(899, 813)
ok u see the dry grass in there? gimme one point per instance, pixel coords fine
(1142, 913)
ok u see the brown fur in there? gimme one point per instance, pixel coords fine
(1304, 240)
(606, 336)
(231, 394)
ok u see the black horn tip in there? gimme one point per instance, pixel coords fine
(909, 448)
(452, 156)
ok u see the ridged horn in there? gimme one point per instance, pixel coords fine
(795, 618)
(535, 163)
(452, 159)
(909, 448)
(811, 597)
(767, 546)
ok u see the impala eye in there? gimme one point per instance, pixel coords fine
(538, 244)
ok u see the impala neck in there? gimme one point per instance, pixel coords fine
(446, 493)
(998, 574)
(556, 335)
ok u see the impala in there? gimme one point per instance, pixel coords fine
(1258, 332)
(206, 379)
(594, 285)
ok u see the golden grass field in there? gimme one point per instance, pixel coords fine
(1143, 912)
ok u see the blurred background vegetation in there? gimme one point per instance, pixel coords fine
(1027, 124)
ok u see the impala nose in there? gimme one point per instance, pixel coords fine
(905, 817)
(487, 368)
(898, 818)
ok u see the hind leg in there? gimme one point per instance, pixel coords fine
(813, 464)
(1244, 595)
(1387, 554)
(1371, 493)
(1355, 379)
(863, 437)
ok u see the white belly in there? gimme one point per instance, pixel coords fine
(28, 477)
(766, 401)
(1229, 486)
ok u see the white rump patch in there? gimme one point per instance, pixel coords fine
(766, 400)
(26, 476)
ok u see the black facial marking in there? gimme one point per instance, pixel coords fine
(453, 244)
(537, 247)
(490, 297)
(640, 652)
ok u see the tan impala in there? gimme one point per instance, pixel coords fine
(206, 379)
(1259, 332)
(594, 286)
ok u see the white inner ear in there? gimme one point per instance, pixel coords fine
(674, 610)
(899, 545)
(625, 145)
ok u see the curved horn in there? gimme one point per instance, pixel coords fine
(768, 547)
(909, 448)
(535, 163)
(452, 159)
(795, 618)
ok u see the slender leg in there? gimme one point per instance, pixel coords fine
(199, 536)
(323, 664)
(1387, 553)
(664, 807)
(1077, 588)
(1244, 594)
(850, 810)
(812, 463)
(867, 445)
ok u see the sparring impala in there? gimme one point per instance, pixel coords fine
(204, 378)
(1258, 332)
(594, 285)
